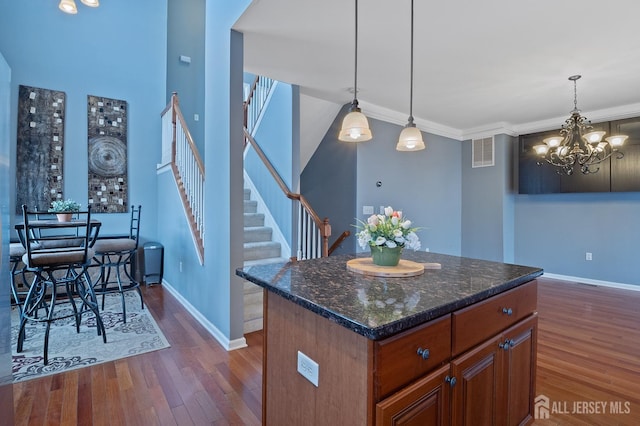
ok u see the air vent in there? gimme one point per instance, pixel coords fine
(482, 152)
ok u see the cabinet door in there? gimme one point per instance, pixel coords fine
(476, 398)
(520, 370)
(423, 403)
(625, 172)
(534, 178)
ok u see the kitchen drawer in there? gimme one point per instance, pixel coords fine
(481, 321)
(397, 361)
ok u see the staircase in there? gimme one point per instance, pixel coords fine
(258, 248)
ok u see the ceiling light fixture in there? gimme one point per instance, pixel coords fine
(68, 6)
(355, 126)
(411, 137)
(578, 144)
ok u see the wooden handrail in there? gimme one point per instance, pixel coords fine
(185, 128)
(322, 224)
(339, 241)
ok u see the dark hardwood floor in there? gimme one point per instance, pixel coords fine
(588, 352)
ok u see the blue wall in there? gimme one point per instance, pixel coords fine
(274, 135)
(118, 51)
(329, 183)
(186, 23)
(487, 204)
(425, 185)
(6, 378)
(555, 231)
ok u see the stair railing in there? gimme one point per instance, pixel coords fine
(188, 170)
(256, 100)
(313, 232)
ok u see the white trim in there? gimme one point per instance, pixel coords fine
(228, 345)
(163, 168)
(593, 282)
(264, 107)
(395, 117)
(276, 233)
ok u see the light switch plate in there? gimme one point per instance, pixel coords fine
(367, 209)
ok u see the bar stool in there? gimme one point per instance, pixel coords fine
(57, 267)
(119, 254)
(16, 251)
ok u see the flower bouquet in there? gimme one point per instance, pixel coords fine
(386, 235)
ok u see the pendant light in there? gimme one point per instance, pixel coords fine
(91, 3)
(411, 137)
(355, 126)
(68, 6)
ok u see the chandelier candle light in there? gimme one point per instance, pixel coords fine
(386, 235)
(578, 145)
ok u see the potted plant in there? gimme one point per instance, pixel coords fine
(64, 209)
(386, 235)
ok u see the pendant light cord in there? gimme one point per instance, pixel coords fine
(411, 78)
(355, 76)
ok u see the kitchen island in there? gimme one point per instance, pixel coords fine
(455, 345)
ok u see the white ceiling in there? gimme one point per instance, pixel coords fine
(479, 66)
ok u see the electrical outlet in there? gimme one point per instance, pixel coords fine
(367, 209)
(589, 256)
(308, 368)
(381, 209)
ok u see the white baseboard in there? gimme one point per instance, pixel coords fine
(593, 282)
(228, 345)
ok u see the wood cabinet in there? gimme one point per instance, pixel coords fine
(495, 381)
(490, 377)
(474, 366)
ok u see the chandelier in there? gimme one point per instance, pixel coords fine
(69, 6)
(578, 145)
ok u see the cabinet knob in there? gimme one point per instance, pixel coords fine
(451, 380)
(507, 311)
(424, 353)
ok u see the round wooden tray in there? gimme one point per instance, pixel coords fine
(365, 266)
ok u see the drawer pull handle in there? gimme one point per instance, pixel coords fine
(424, 353)
(451, 380)
(508, 343)
(507, 311)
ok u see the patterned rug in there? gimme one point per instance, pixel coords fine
(69, 350)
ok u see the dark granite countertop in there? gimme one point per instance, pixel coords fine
(378, 307)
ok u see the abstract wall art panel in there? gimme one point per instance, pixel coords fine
(107, 138)
(40, 147)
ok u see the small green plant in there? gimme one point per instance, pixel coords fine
(64, 206)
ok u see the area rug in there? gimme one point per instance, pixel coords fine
(69, 350)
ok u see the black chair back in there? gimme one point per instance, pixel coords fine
(46, 246)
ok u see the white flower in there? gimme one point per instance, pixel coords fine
(391, 244)
(380, 241)
(397, 233)
(388, 211)
(406, 224)
(394, 221)
(373, 220)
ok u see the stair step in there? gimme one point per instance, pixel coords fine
(250, 206)
(254, 234)
(247, 194)
(261, 250)
(253, 219)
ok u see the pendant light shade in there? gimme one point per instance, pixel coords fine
(68, 6)
(355, 126)
(91, 3)
(411, 137)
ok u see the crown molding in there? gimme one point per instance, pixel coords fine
(395, 117)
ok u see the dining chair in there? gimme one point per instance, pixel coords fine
(116, 257)
(60, 273)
